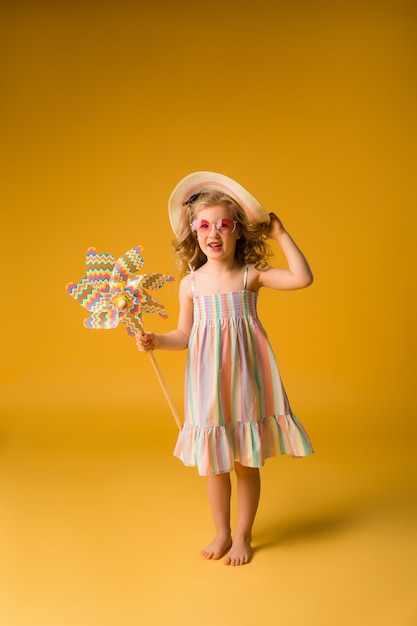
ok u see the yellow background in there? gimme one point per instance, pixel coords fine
(105, 106)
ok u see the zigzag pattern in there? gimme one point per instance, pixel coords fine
(106, 279)
(155, 281)
(86, 293)
(102, 318)
(133, 324)
(128, 264)
(99, 267)
(150, 305)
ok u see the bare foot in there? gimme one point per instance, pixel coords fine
(240, 553)
(218, 547)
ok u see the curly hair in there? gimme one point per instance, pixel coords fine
(251, 247)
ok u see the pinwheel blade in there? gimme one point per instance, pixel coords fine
(151, 305)
(156, 280)
(102, 318)
(132, 323)
(99, 268)
(93, 288)
(127, 265)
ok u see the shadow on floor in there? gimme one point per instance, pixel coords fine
(305, 529)
(342, 517)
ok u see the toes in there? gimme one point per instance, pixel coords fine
(207, 555)
(237, 560)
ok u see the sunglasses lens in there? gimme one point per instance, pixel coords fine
(225, 225)
(200, 226)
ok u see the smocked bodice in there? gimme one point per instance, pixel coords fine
(233, 304)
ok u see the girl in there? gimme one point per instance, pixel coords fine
(236, 410)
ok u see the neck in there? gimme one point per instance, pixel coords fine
(224, 266)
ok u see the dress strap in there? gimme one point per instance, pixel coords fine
(245, 277)
(192, 281)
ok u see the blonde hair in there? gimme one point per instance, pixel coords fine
(251, 247)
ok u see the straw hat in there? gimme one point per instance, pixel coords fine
(198, 182)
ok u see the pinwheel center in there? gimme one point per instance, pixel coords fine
(122, 303)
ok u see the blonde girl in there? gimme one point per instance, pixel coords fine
(237, 413)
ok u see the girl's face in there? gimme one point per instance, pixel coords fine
(217, 239)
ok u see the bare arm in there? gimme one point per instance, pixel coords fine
(175, 339)
(298, 273)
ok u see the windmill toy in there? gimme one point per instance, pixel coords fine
(114, 292)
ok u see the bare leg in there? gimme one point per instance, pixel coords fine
(248, 493)
(219, 492)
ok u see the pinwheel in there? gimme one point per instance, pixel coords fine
(114, 291)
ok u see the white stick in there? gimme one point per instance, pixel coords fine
(165, 389)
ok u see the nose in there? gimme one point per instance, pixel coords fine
(211, 226)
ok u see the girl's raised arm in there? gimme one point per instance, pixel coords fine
(298, 273)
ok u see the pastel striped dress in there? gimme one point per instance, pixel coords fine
(236, 408)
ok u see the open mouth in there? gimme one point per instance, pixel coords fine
(215, 245)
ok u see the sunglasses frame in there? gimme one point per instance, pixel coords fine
(218, 227)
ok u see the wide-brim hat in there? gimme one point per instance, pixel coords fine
(198, 182)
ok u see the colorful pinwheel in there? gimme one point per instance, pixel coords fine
(113, 292)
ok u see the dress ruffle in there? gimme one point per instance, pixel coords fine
(214, 450)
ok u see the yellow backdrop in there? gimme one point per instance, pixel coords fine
(105, 106)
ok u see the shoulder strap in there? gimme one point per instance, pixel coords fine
(192, 280)
(245, 277)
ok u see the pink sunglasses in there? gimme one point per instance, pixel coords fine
(225, 226)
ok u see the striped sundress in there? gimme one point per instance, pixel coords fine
(236, 408)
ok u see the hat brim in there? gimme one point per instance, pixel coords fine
(198, 182)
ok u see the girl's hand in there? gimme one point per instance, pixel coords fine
(276, 227)
(146, 342)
